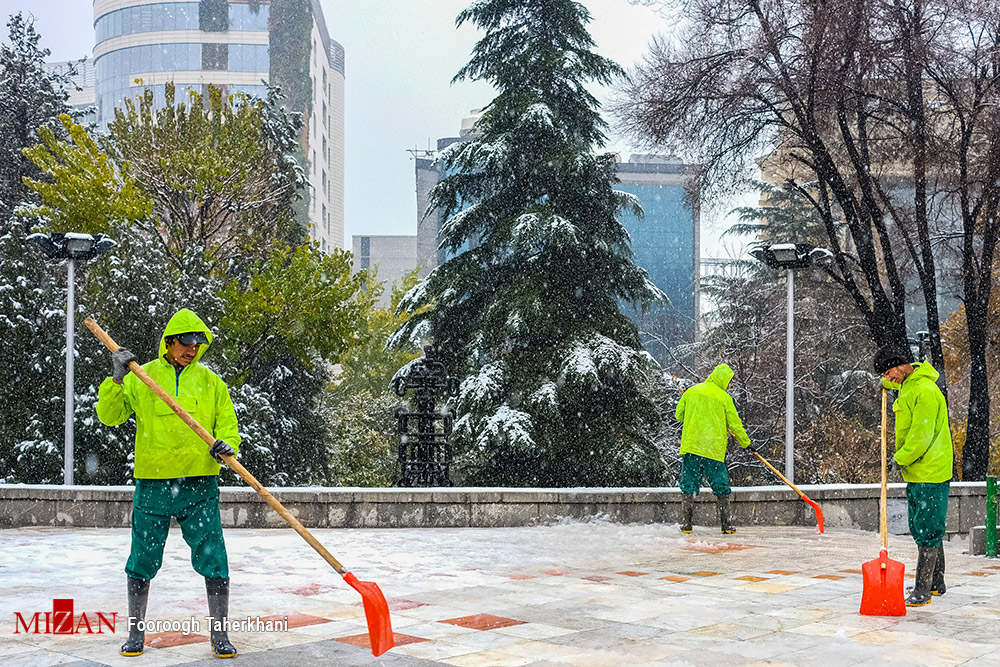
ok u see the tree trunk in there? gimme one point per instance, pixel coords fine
(975, 452)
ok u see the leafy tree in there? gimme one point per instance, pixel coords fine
(529, 312)
(361, 405)
(83, 190)
(219, 171)
(297, 302)
(286, 322)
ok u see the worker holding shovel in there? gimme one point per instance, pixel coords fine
(925, 456)
(176, 475)
(709, 416)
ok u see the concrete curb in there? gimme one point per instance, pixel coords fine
(844, 505)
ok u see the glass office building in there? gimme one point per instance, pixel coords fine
(146, 44)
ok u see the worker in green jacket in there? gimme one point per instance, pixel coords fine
(925, 457)
(176, 474)
(709, 416)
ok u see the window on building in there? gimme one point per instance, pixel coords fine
(215, 56)
(325, 190)
(213, 15)
(366, 252)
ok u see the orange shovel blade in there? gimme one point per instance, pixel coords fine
(883, 587)
(819, 512)
(376, 613)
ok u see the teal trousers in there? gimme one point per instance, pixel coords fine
(694, 467)
(194, 502)
(927, 509)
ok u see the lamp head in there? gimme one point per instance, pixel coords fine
(72, 245)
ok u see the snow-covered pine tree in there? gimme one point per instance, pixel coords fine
(32, 292)
(30, 97)
(530, 311)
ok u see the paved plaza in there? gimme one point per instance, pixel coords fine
(593, 593)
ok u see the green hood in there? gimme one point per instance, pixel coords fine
(184, 321)
(165, 446)
(721, 376)
(925, 370)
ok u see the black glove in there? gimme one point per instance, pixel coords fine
(751, 448)
(220, 447)
(120, 358)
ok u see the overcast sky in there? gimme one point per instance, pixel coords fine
(401, 56)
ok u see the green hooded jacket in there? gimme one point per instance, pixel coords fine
(709, 415)
(165, 447)
(923, 438)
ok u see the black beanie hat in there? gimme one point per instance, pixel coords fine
(890, 356)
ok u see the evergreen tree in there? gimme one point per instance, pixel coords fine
(529, 313)
(32, 291)
(30, 98)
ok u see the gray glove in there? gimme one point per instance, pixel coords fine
(220, 447)
(121, 358)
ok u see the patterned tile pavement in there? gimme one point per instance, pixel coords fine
(570, 594)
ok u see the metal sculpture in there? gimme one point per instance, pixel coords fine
(424, 451)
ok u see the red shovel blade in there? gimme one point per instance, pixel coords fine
(376, 613)
(819, 512)
(883, 587)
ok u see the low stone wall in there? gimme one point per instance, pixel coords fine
(848, 506)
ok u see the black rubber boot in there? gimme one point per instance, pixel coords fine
(920, 594)
(938, 586)
(687, 512)
(218, 609)
(725, 519)
(138, 595)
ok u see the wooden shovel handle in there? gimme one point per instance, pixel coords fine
(783, 478)
(210, 440)
(882, 503)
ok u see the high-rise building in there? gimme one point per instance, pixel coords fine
(667, 245)
(236, 45)
(665, 242)
(394, 256)
(81, 92)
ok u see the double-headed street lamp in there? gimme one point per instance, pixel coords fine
(74, 247)
(790, 256)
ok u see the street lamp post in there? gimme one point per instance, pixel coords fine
(790, 256)
(73, 247)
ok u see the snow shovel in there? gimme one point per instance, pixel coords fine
(883, 578)
(376, 607)
(815, 506)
